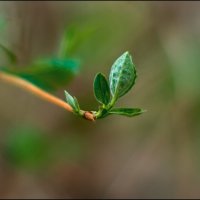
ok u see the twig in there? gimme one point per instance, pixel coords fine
(40, 93)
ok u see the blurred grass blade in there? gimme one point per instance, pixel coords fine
(10, 55)
(2, 23)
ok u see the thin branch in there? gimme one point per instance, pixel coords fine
(40, 93)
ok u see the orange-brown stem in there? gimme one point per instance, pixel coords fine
(39, 92)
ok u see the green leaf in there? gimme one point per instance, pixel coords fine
(11, 56)
(72, 101)
(76, 104)
(128, 112)
(48, 74)
(101, 89)
(122, 75)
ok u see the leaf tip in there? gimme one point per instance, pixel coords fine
(66, 93)
(126, 54)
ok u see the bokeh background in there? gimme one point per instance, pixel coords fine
(46, 152)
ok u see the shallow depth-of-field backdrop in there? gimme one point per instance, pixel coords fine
(47, 152)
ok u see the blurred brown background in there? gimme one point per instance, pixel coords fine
(155, 155)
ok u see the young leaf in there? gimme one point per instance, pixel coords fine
(76, 104)
(129, 112)
(122, 75)
(72, 101)
(101, 89)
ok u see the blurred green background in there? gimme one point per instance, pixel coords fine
(46, 152)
